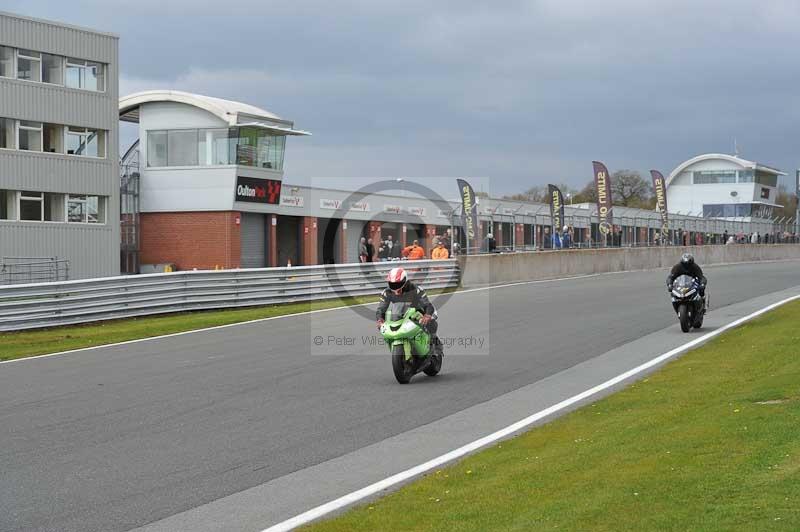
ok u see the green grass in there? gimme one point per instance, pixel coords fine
(42, 341)
(710, 442)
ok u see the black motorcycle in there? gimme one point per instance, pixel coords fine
(689, 305)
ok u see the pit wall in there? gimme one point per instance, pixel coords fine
(479, 270)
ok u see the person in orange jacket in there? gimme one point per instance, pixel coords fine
(414, 251)
(440, 252)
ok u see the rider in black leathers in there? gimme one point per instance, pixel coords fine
(416, 296)
(687, 266)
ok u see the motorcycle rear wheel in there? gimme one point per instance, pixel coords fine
(683, 317)
(403, 370)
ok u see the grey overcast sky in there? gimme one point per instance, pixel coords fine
(524, 93)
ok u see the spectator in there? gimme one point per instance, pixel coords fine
(556, 239)
(446, 239)
(566, 238)
(730, 241)
(414, 251)
(754, 238)
(546, 239)
(725, 237)
(394, 250)
(383, 251)
(362, 250)
(370, 251)
(440, 252)
(491, 244)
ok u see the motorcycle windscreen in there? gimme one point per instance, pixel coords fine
(396, 310)
(683, 281)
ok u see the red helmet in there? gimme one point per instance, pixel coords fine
(397, 278)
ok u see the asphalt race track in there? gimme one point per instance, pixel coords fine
(115, 438)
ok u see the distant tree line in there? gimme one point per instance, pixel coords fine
(628, 189)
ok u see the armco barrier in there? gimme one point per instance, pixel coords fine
(37, 305)
(479, 270)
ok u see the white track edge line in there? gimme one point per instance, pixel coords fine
(309, 312)
(372, 489)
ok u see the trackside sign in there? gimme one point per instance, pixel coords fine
(267, 191)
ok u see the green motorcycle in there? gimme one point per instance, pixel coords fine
(409, 344)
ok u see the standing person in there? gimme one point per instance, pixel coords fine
(362, 250)
(440, 252)
(446, 239)
(414, 251)
(725, 237)
(370, 251)
(394, 249)
(491, 243)
(389, 243)
(566, 238)
(383, 251)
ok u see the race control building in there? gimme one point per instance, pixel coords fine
(716, 185)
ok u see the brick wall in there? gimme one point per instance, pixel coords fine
(202, 240)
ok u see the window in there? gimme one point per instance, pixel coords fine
(85, 209)
(764, 193)
(29, 65)
(53, 138)
(156, 148)
(87, 75)
(745, 176)
(31, 206)
(6, 62)
(4, 199)
(7, 133)
(182, 147)
(764, 178)
(214, 147)
(86, 142)
(30, 136)
(712, 177)
(53, 69)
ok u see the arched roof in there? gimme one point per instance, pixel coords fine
(744, 163)
(226, 110)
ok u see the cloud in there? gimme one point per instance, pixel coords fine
(523, 91)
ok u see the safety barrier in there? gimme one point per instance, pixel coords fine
(38, 305)
(479, 270)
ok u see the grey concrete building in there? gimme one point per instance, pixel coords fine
(59, 163)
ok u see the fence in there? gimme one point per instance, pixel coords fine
(70, 302)
(14, 270)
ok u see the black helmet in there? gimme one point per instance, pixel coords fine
(687, 258)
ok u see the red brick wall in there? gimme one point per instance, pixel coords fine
(202, 240)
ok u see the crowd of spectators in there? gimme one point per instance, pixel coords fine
(391, 250)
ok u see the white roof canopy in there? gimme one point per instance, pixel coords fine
(231, 112)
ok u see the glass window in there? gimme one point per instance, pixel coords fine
(31, 206)
(53, 69)
(214, 147)
(156, 148)
(76, 209)
(764, 178)
(7, 133)
(6, 62)
(714, 177)
(182, 147)
(260, 148)
(86, 142)
(745, 176)
(87, 75)
(53, 137)
(30, 136)
(29, 65)
(4, 211)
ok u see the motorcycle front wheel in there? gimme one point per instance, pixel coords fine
(403, 369)
(435, 365)
(683, 317)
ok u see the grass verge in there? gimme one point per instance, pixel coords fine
(43, 341)
(710, 442)
(23, 344)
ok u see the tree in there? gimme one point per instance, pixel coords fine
(789, 202)
(481, 194)
(629, 189)
(540, 194)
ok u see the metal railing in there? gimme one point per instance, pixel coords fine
(16, 270)
(82, 301)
